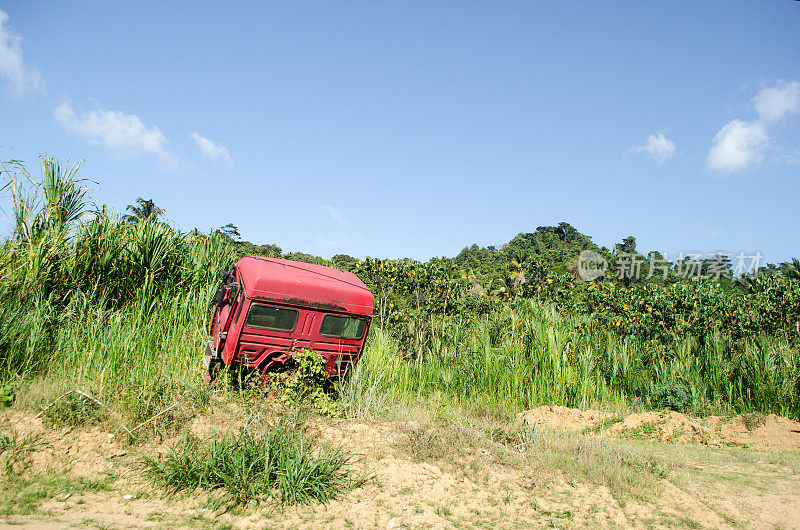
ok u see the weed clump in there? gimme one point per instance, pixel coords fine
(73, 410)
(15, 451)
(8, 393)
(754, 421)
(248, 467)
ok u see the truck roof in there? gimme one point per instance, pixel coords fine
(305, 284)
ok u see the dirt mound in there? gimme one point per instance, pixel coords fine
(667, 426)
(768, 433)
(558, 417)
(756, 431)
(86, 452)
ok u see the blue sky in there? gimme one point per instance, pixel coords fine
(396, 129)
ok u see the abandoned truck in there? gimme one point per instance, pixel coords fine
(267, 309)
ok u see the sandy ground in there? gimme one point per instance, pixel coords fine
(766, 432)
(721, 475)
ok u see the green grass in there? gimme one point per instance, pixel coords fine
(564, 359)
(624, 467)
(247, 467)
(24, 495)
(74, 409)
(15, 450)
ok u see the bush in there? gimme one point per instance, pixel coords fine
(305, 385)
(675, 395)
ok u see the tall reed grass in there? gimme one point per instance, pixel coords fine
(568, 360)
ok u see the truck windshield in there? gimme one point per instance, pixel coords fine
(342, 327)
(271, 317)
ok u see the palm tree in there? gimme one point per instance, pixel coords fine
(791, 269)
(146, 209)
(516, 268)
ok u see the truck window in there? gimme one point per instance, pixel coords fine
(342, 327)
(271, 317)
(239, 305)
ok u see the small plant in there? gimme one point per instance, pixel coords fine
(15, 450)
(425, 444)
(8, 393)
(248, 467)
(753, 421)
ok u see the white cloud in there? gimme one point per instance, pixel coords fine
(335, 215)
(124, 135)
(324, 242)
(741, 144)
(212, 150)
(21, 77)
(776, 103)
(738, 145)
(657, 146)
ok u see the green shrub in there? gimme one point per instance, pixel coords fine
(675, 395)
(247, 467)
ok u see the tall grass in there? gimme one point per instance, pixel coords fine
(567, 360)
(120, 309)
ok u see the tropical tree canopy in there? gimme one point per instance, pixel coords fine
(143, 209)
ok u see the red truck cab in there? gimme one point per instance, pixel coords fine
(266, 309)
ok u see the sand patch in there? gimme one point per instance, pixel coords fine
(470, 486)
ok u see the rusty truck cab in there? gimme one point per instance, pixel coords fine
(265, 309)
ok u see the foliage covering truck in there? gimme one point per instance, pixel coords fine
(267, 309)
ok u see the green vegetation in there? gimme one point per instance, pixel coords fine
(527, 354)
(305, 384)
(754, 420)
(15, 450)
(118, 307)
(21, 495)
(253, 467)
(74, 409)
